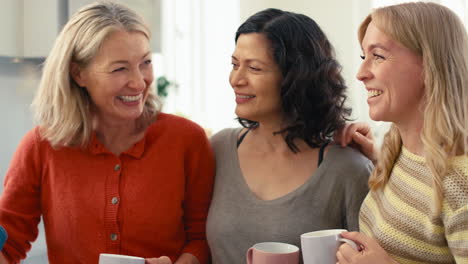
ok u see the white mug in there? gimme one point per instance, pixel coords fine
(321, 246)
(119, 259)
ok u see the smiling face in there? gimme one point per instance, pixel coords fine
(118, 77)
(393, 76)
(256, 79)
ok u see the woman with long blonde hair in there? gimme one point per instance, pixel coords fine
(105, 169)
(415, 68)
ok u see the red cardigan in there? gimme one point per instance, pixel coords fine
(150, 201)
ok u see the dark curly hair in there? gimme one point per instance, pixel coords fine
(312, 89)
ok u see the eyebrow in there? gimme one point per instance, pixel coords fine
(250, 60)
(376, 45)
(124, 61)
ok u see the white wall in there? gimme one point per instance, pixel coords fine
(198, 40)
(18, 82)
(17, 85)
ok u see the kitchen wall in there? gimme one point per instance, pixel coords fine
(18, 82)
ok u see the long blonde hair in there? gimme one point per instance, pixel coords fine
(62, 109)
(439, 37)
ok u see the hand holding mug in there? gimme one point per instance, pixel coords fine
(370, 253)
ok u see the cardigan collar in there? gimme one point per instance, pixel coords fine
(136, 151)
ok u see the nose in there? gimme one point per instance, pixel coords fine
(137, 80)
(364, 73)
(237, 78)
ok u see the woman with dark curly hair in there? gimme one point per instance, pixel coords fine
(278, 176)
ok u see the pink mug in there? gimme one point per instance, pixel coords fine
(273, 253)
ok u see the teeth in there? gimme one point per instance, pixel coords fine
(373, 93)
(244, 96)
(127, 98)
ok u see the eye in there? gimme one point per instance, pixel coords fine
(254, 68)
(234, 65)
(148, 62)
(378, 57)
(362, 57)
(119, 69)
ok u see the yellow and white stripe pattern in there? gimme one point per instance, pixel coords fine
(401, 215)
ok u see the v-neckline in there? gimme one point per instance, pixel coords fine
(319, 172)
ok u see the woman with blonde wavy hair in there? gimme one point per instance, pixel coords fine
(107, 171)
(415, 70)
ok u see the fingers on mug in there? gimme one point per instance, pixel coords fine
(350, 243)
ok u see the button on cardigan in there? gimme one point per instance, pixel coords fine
(150, 201)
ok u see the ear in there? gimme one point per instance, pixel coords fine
(77, 74)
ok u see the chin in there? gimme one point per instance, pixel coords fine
(375, 116)
(132, 117)
(379, 117)
(244, 112)
(240, 114)
(243, 116)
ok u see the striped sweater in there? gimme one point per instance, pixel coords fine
(401, 218)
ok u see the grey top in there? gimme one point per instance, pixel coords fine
(237, 219)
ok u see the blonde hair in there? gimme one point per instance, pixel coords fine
(443, 46)
(63, 110)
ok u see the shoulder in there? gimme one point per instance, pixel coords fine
(225, 134)
(455, 183)
(31, 151)
(176, 126)
(223, 142)
(460, 165)
(225, 138)
(169, 120)
(349, 162)
(32, 140)
(349, 157)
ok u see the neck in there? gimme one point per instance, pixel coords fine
(266, 136)
(115, 136)
(266, 140)
(411, 136)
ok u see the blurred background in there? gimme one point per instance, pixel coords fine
(192, 44)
